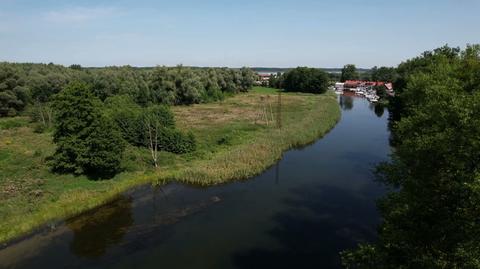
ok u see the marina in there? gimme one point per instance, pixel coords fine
(366, 89)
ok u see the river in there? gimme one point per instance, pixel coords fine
(300, 213)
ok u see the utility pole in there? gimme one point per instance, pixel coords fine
(279, 110)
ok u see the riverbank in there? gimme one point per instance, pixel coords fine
(234, 142)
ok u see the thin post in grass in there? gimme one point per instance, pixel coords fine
(270, 109)
(279, 110)
(263, 115)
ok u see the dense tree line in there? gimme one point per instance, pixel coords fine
(27, 84)
(14, 95)
(350, 72)
(96, 112)
(302, 79)
(432, 220)
(385, 74)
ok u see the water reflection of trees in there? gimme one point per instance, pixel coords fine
(339, 221)
(95, 232)
(379, 110)
(346, 102)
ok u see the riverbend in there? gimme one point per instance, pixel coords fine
(315, 202)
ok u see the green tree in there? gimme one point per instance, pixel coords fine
(104, 149)
(304, 79)
(86, 141)
(23, 84)
(432, 220)
(43, 87)
(349, 72)
(189, 87)
(247, 80)
(381, 91)
(162, 86)
(213, 90)
(125, 113)
(14, 95)
(385, 74)
(159, 132)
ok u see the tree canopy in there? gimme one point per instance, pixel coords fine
(349, 72)
(14, 95)
(433, 219)
(304, 79)
(24, 84)
(385, 74)
(86, 141)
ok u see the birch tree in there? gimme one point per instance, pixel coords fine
(152, 127)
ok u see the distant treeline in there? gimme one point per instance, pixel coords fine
(24, 84)
(348, 72)
(301, 79)
(283, 70)
(351, 72)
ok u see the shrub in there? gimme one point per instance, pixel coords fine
(225, 140)
(134, 123)
(170, 139)
(174, 141)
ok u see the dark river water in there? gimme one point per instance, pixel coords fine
(300, 213)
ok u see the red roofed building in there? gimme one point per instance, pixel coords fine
(351, 84)
(263, 78)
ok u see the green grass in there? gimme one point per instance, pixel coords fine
(10, 123)
(264, 90)
(234, 143)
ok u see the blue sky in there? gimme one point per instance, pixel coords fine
(237, 33)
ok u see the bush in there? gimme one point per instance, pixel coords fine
(39, 128)
(170, 139)
(174, 141)
(225, 140)
(131, 120)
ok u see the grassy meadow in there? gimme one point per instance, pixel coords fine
(237, 138)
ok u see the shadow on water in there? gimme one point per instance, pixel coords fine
(346, 102)
(379, 110)
(95, 232)
(312, 231)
